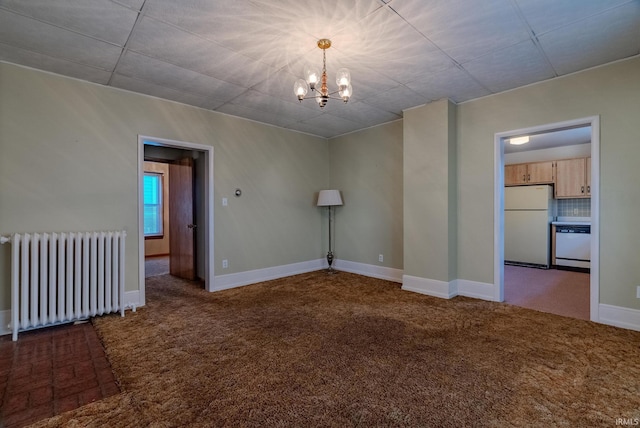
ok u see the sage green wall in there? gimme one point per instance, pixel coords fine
(613, 93)
(430, 194)
(452, 170)
(68, 161)
(367, 167)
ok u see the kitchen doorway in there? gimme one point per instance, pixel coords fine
(554, 278)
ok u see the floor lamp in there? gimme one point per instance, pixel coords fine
(329, 198)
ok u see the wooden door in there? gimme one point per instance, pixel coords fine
(570, 178)
(540, 172)
(181, 220)
(515, 174)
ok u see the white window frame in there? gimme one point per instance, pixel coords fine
(159, 234)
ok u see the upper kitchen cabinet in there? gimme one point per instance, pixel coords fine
(528, 173)
(515, 174)
(573, 178)
(540, 172)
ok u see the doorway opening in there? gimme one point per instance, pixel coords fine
(185, 164)
(157, 223)
(552, 141)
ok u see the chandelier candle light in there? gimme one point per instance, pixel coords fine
(343, 80)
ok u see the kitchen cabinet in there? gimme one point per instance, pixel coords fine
(540, 172)
(573, 178)
(588, 177)
(529, 173)
(515, 174)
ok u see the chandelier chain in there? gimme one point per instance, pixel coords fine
(324, 60)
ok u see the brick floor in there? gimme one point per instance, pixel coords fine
(50, 371)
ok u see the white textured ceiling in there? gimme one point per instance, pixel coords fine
(241, 57)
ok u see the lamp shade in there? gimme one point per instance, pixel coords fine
(328, 198)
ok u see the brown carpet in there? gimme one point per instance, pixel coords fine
(346, 350)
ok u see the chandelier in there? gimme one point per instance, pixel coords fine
(343, 80)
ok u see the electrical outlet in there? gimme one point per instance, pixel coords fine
(225, 264)
(575, 211)
(638, 291)
(380, 258)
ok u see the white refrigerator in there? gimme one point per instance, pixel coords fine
(527, 219)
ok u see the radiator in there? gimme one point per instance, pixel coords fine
(62, 277)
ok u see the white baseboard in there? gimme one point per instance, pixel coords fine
(380, 272)
(132, 300)
(448, 290)
(232, 280)
(477, 290)
(608, 314)
(431, 287)
(5, 320)
(619, 317)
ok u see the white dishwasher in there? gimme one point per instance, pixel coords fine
(573, 246)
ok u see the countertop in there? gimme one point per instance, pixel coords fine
(572, 221)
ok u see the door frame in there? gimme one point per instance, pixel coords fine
(498, 206)
(208, 207)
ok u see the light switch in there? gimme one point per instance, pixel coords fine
(224, 202)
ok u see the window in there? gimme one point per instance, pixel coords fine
(152, 190)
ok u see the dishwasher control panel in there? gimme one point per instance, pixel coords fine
(573, 229)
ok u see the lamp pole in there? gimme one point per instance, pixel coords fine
(330, 253)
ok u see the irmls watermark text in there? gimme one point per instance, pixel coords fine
(627, 422)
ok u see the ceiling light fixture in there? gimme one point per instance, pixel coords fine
(343, 80)
(519, 140)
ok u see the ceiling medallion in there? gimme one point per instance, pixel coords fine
(343, 80)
